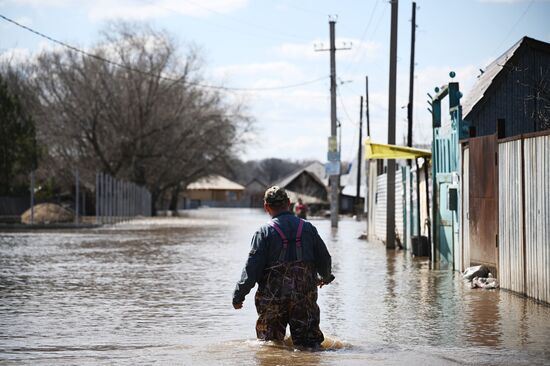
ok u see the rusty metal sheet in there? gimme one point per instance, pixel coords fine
(483, 201)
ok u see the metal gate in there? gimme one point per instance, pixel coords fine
(511, 256)
(483, 201)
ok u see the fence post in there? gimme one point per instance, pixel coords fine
(109, 199)
(96, 198)
(102, 198)
(32, 197)
(117, 200)
(76, 197)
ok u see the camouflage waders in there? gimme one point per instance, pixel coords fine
(287, 294)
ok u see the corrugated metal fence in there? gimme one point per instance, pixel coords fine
(380, 206)
(537, 216)
(117, 200)
(510, 216)
(524, 216)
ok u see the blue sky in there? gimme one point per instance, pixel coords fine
(265, 43)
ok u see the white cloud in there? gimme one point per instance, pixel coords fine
(307, 50)
(508, 1)
(128, 9)
(15, 55)
(19, 54)
(286, 69)
(24, 20)
(40, 2)
(260, 75)
(141, 9)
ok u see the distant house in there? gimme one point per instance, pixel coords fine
(318, 169)
(311, 185)
(305, 185)
(214, 191)
(254, 193)
(348, 182)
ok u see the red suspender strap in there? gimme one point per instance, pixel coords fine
(280, 232)
(299, 234)
(299, 241)
(285, 240)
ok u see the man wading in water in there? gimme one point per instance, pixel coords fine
(285, 257)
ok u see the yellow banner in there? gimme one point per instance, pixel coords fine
(383, 151)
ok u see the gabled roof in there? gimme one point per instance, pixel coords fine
(215, 182)
(257, 180)
(491, 72)
(290, 178)
(319, 170)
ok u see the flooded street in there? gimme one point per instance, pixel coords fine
(159, 291)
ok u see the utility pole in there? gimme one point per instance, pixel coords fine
(367, 104)
(410, 131)
(368, 199)
(390, 190)
(411, 82)
(359, 159)
(333, 150)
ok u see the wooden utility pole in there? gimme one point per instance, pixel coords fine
(334, 179)
(411, 82)
(367, 104)
(390, 190)
(367, 162)
(333, 151)
(359, 159)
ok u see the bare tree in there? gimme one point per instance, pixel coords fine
(145, 118)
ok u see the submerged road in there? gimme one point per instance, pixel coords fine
(158, 291)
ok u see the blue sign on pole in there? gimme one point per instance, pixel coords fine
(332, 168)
(333, 156)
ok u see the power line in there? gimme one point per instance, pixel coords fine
(281, 35)
(341, 99)
(515, 25)
(366, 29)
(306, 10)
(119, 65)
(351, 147)
(361, 50)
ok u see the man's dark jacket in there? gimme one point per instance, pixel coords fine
(266, 247)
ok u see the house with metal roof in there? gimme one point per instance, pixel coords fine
(512, 94)
(214, 191)
(305, 185)
(505, 169)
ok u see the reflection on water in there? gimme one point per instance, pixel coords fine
(159, 291)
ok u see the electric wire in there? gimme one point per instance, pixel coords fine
(351, 147)
(515, 25)
(273, 32)
(119, 65)
(290, 4)
(365, 31)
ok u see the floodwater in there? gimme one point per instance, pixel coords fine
(158, 291)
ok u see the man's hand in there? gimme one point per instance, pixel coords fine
(238, 305)
(321, 282)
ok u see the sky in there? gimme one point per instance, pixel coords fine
(271, 43)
